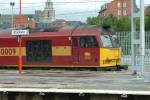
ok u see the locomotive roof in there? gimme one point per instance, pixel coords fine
(78, 31)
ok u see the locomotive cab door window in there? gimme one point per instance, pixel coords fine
(88, 42)
(39, 51)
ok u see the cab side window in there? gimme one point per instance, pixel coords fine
(88, 42)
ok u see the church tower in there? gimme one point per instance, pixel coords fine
(49, 12)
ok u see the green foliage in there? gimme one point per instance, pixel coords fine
(147, 22)
(94, 20)
(110, 20)
(123, 24)
(118, 24)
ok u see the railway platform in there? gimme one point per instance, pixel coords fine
(73, 85)
(68, 85)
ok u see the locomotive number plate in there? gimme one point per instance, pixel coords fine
(7, 51)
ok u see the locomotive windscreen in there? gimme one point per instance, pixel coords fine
(38, 51)
(106, 41)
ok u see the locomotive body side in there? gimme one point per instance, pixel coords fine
(37, 51)
(87, 48)
(9, 51)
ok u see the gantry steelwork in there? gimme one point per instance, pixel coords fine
(138, 39)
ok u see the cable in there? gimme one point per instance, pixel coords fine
(23, 7)
(56, 14)
(74, 13)
(60, 2)
(43, 6)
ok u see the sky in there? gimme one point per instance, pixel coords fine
(78, 10)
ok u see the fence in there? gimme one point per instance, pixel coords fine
(124, 40)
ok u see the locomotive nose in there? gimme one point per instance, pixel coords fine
(110, 57)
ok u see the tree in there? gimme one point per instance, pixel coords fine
(106, 21)
(147, 22)
(117, 24)
(123, 24)
(94, 20)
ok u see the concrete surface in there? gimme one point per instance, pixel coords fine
(74, 82)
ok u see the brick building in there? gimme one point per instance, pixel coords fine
(147, 10)
(117, 8)
(42, 18)
(26, 22)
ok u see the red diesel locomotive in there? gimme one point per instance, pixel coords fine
(87, 47)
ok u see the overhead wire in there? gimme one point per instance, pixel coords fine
(74, 13)
(60, 2)
(32, 7)
(61, 14)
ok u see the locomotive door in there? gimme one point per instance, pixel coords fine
(89, 51)
(75, 50)
(85, 51)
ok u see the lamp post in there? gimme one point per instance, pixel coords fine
(18, 33)
(12, 4)
(20, 42)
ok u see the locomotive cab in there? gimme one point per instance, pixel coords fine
(110, 54)
(94, 47)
